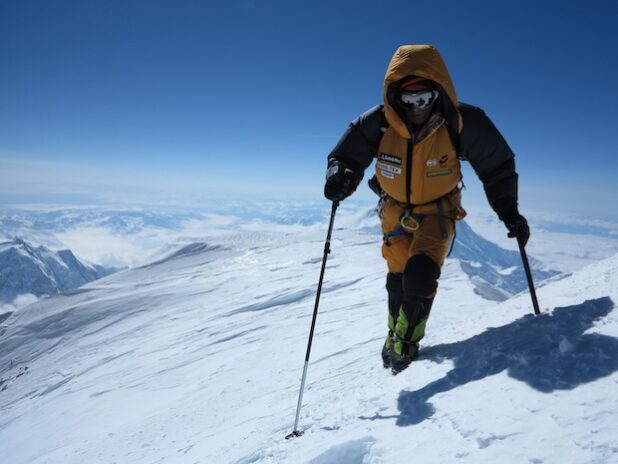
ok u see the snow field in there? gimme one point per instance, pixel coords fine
(198, 357)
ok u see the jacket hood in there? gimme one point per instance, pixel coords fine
(423, 61)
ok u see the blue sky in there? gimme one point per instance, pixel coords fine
(163, 100)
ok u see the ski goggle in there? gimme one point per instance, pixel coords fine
(419, 100)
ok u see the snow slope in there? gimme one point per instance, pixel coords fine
(197, 356)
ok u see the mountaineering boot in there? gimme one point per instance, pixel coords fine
(408, 353)
(386, 349)
(395, 295)
(409, 330)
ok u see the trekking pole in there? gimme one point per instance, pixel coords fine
(524, 258)
(296, 432)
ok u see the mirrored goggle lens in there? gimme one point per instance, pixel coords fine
(420, 100)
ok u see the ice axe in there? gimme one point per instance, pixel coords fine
(296, 432)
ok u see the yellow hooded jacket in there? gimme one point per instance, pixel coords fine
(418, 167)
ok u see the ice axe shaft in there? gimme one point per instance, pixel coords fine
(524, 258)
(296, 432)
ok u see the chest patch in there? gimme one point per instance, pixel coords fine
(388, 168)
(442, 172)
(390, 158)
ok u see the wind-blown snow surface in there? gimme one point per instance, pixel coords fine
(197, 357)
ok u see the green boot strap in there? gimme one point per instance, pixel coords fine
(419, 331)
(391, 331)
(405, 348)
(391, 322)
(402, 329)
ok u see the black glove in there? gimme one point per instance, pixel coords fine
(341, 181)
(374, 185)
(507, 211)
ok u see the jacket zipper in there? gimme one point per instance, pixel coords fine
(409, 169)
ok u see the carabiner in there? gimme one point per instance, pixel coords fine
(409, 223)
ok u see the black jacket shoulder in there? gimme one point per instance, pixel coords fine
(492, 159)
(480, 140)
(358, 145)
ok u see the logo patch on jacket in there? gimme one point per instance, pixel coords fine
(443, 161)
(441, 172)
(388, 168)
(390, 158)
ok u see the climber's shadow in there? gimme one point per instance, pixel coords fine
(549, 352)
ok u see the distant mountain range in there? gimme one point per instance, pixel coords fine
(25, 269)
(497, 274)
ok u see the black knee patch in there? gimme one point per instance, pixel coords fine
(394, 287)
(394, 283)
(420, 277)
